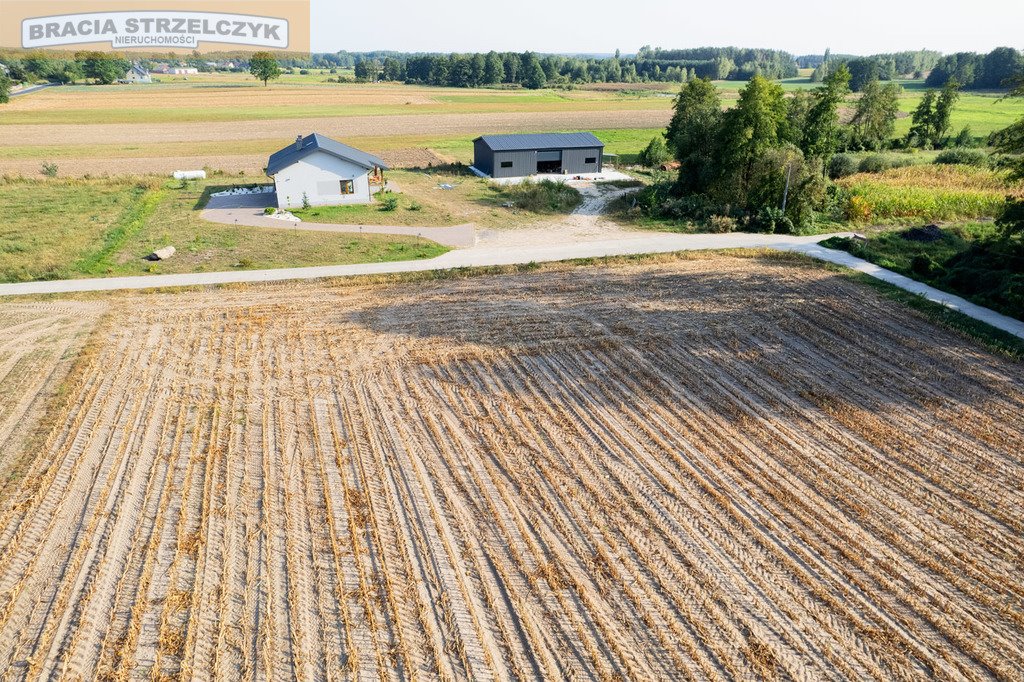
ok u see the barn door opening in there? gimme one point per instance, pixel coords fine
(549, 162)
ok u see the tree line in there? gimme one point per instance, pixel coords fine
(993, 71)
(767, 163)
(911, 64)
(971, 70)
(102, 67)
(532, 70)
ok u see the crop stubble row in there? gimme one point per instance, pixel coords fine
(716, 468)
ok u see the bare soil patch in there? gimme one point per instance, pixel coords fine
(716, 468)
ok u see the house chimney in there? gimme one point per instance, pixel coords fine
(298, 142)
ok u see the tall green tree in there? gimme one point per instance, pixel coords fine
(944, 104)
(5, 87)
(875, 117)
(1010, 141)
(922, 121)
(534, 77)
(104, 68)
(693, 133)
(263, 66)
(38, 65)
(494, 68)
(821, 135)
(749, 130)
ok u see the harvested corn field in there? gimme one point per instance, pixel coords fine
(717, 468)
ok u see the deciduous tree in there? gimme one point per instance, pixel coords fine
(820, 138)
(693, 132)
(263, 66)
(875, 117)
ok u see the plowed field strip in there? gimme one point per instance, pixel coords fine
(701, 470)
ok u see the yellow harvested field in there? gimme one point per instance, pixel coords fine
(117, 97)
(711, 468)
(342, 126)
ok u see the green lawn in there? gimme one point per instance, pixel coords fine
(984, 113)
(60, 229)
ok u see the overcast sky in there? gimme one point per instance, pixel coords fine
(858, 27)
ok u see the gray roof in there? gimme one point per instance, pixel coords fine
(511, 143)
(280, 160)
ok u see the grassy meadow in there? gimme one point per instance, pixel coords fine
(66, 228)
(928, 193)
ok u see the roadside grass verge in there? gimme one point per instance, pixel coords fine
(971, 261)
(994, 339)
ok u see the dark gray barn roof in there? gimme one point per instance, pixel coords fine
(316, 142)
(512, 143)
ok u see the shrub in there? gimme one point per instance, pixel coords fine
(49, 169)
(269, 210)
(841, 166)
(965, 139)
(654, 154)
(305, 201)
(388, 202)
(923, 265)
(696, 207)
(876, 163)
(545, 196)
(771, 219)
(415, 206)
(963, 157)
(721, 223)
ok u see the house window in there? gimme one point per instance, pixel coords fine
(506, 164)
(590, 159)
(347, 187)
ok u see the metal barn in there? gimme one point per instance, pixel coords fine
(513, 156)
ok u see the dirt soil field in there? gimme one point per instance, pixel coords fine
(720, 468)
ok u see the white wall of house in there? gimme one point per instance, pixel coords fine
(319, 175)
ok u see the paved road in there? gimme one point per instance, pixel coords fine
(559, 248)
(34, 88)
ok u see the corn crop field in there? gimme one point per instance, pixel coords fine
(713, 468)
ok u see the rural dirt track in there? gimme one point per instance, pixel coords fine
(716, 468)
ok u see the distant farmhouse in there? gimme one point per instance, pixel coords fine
(324, 172)
(168, 70)
(137, 74)
(515, 156)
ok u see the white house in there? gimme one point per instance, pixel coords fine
(137, 74)
(324, 172)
